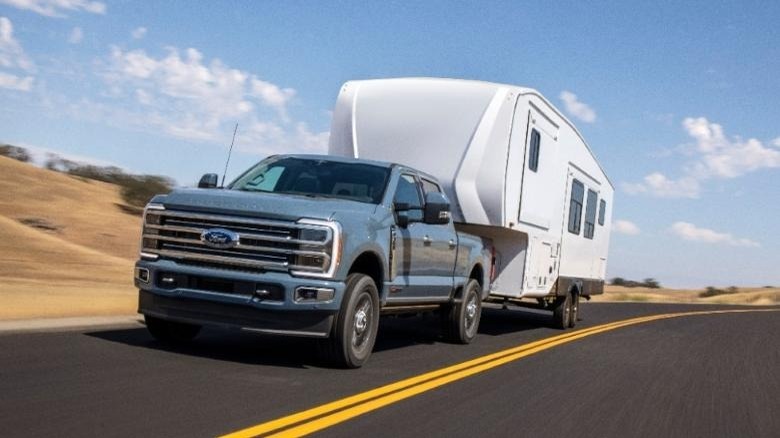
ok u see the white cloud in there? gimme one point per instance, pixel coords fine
(658, 185)
(271, 94)
(776, 142)
(76, 35)
(56, 8)
(183, 95)
(13, 82)
(576, 108)
(724, 158)
(716, 156)
(12, 57)
(691, 232)
(11, 53)
(625, 227)
(138, 32)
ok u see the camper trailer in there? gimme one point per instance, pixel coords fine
(515, 169)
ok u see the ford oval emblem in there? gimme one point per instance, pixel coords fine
(219, 238)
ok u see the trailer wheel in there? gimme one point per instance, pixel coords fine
(354, 330)
(562, 312)
(575, 307)
(171, 332)
(462, 319)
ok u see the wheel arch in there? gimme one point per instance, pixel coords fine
(370, 263)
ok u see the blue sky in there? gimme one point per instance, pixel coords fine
(679, 100)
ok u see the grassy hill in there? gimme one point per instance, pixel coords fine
(67, 245)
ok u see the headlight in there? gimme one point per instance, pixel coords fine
(319, 248)
(151, 223)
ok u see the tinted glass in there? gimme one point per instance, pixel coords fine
(602, 211)
(575, 206)
(315, 177)
(430, 187)
(590, 214)
(533, 156)
(407, 192)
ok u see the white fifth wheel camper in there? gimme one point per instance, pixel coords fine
(515, 169)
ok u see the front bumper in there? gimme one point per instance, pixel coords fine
(209, 301)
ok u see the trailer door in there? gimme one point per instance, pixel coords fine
(539, 171)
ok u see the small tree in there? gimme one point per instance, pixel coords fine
(15, 152)
(651, 283)
(618, 281)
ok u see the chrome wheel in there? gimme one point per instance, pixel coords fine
(361, 327)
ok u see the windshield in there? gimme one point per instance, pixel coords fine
(317, 178)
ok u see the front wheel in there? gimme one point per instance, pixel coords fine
(171, 332)
(354, 330)
(462, 321)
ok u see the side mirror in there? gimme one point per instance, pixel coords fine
(437, 209)
(401, 214)
(208, 181)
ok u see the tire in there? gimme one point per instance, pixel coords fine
(575, 309)
(171, 332)
(562, 312)
(462, 318)
(353, 334)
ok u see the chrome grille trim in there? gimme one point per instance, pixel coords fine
(262, 244)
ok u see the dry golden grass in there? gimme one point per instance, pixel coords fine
(82, 268)
(87, 211)
(753, 296)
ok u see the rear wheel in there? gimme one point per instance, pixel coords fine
(354, 330)
(462, 318)
(171, 332)
(575, 308)
(562, 312)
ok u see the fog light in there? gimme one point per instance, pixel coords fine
(314, 294)
(142, 274)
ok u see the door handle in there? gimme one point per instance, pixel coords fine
(453, 244)
(427, 240)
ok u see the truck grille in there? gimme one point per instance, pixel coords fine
(260, 245)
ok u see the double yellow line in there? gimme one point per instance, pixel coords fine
(329, 414)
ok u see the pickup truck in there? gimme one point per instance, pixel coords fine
(309, 245)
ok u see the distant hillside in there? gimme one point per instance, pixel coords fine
(66, 245)
(85, 212)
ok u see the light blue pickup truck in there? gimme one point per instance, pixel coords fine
(309, 245)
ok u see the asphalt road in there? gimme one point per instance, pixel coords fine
(711, 375)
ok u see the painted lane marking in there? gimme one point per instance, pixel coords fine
(329, 414)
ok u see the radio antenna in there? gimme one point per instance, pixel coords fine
(229, 153)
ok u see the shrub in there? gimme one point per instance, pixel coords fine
(136, 190)
(15, 152)
(650, 283)
(711, 291)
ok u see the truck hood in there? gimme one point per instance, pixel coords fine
(263, 205)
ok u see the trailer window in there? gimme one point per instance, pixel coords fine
(590, 215)
(533, 154)
(602, 211)
(575, 206)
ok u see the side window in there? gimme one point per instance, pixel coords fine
(590, 214)
(533, 155)
(430, 186)
(575, 207)
(602, 211)
(407, 193)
